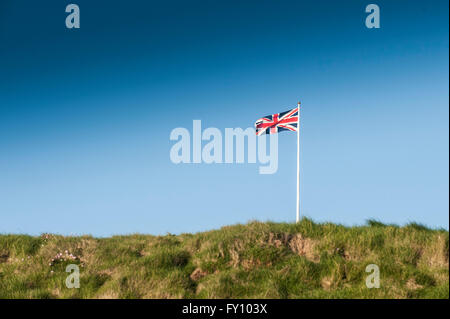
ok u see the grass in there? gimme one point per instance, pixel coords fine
(256, 260)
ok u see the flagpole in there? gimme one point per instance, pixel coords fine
(298, 163)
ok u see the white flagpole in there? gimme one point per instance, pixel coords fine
(298, 163)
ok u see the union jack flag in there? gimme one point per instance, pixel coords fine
(272, 124)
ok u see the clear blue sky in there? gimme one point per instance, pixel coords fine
(85, 115)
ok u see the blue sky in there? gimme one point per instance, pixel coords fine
(86, 114)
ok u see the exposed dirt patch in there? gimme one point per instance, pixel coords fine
(56, 292)
(326, 283)
(298, 244)
(437, 253)
(234, 251)
(303, 246)
(253, 263)
(198, 274)
(411, 284)
(343, 253)
(109, 273)
(108, 295)
(4, 258)
(279, 240)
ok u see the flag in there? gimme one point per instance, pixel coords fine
(272, 124)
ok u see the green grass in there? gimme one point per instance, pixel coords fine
(256, 260)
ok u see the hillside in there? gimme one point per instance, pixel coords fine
(256, 260)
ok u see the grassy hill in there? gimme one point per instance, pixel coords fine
(256, 260)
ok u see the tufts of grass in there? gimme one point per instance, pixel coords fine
(255, 260)
(418, 226)
(375, 223)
